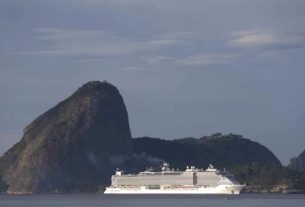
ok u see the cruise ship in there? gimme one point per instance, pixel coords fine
(170, 181)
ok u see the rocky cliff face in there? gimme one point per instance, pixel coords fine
(71, 147)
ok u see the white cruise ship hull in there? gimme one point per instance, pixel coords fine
(220, 189)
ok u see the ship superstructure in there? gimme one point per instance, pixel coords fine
(170, 181)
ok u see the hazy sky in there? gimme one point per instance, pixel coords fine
(184, 68)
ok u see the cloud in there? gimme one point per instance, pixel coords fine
(157, 59)
(95, 42)
(134, 68)
(207, 59)
(180, 35)
(266, 39)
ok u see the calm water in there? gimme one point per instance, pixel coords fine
(244, 200)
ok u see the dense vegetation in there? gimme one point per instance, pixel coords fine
(220, 150)
(265, 177)
(3, 186)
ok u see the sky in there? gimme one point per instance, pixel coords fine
(184, 68)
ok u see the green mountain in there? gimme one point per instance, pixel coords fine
(220, 150)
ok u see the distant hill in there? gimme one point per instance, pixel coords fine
(250, 162)
(220, 150)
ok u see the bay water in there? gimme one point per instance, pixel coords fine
(100, 200)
